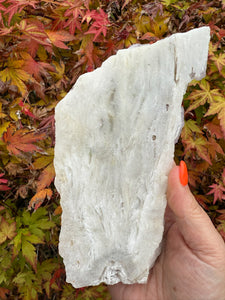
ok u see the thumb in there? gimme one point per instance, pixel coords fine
(193, 223)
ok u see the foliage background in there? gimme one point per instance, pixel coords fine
(44, 47)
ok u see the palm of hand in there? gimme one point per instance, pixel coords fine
(181, 272)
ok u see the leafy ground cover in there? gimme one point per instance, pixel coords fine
(44, 47)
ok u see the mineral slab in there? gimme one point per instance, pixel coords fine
(115, 136)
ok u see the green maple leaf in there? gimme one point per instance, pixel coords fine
(190, 126)
(27, 284)
(29, 252)
(205, 94)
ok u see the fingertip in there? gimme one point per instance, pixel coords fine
(183, 173)
(179, 196)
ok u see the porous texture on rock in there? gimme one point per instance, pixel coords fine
(115, 136)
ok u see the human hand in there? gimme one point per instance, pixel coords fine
(191, 265)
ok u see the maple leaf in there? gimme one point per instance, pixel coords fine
(46, 177)
(200, 145)
(7, 230)
(28, 251)
(86, 51)
(2, 9)
(34, 68)
(214, 147)
(17, 6)
(3, 183)
(39, 198)
(58, 37)
(21, 140)
(214, 128)
(15, 75)
(44, 272)
(219, 61)
(218, 107)
(33, 35)
(190, 126)
(200, 97)
(100, 22)
(45, 162)
(218, 191)
(74, 13)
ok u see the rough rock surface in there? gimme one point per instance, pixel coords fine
(115, 136)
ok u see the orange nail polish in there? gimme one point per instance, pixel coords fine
(183, 173)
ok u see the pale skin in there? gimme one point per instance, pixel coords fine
(192, 262)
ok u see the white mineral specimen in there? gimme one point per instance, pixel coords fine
(115, 135)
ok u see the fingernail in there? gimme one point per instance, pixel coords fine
(183, 173)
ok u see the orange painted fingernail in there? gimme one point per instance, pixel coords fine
(183, 173)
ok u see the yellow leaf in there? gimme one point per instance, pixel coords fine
(142, 23)
(219, 61)
(205, 94)
(15, 75)
(44, 160)
(3, 128)
(7, 230)
(218, 107)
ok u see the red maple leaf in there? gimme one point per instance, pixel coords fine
(2, 9)
(21, 140)
(100, 22)
(218, 191)
(17, 6)
(74, 13)
(35, 68)
(33, 35)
